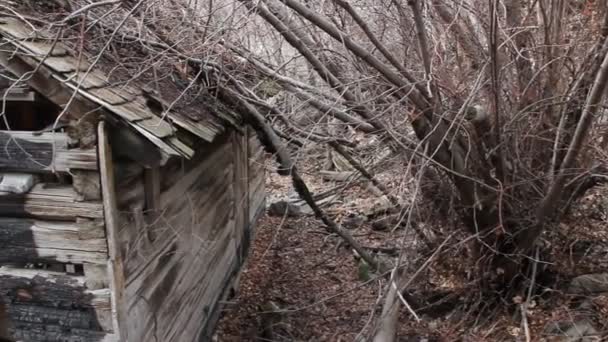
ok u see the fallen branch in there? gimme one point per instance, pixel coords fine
(547, 207)
(394, 200)
(269, 138)
(387, 332)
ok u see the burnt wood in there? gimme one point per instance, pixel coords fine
(23, 151)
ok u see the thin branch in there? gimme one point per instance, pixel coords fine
(550, 201)
(270, 139)
(412, 93)
(90, 7)
(381, 47)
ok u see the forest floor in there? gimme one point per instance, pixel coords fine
(302, 284)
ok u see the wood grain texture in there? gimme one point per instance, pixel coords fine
(127, 101)
(116, 261)
(257, 178)
(242, 231)
(49, 201)
(22, 151)
(175, 279)
(152, 189)
(24, 240)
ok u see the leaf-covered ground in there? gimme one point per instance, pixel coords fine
(302, 284)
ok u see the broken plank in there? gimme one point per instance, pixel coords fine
(45, 82)
(90, 80)
(43, 48)
(34, 240)
(16, 28)
(156, 126)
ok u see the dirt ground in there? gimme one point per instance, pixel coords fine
(302, 284)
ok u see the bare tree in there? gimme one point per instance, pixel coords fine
(498, 97)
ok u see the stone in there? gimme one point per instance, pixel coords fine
(16, 183)
(353, 221)
(573, 331)
(589, 284)
(291, 209)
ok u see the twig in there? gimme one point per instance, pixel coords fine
(269, 138)
(394, 200)
(524, 321)
(90, 7)
(405, 303)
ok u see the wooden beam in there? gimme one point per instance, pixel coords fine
(153, 203)
(49, 201)
(23, 151)
(55, 87)
(115, 263)
(140, 149)
(152, 181)
(25, 240)
(19, 95)
(241, 194)
(43, 82)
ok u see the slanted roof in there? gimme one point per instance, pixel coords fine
(100, 57)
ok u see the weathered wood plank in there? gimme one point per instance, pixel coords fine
(167, 287)
(19, 95)
(257, 178)
(61, 64)
(54, 299)
(215, 161)
(206, 295)
(193, 219)
(44, 82)
(49, 201)
(115, 263)
(33, 240)
(46, 152)
(59, 90)
(182, 274)
(242, 234)
(152, 189)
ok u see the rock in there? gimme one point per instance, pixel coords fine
(293, 206)
(569, 331)
(16, 183)
(363, 270)
(353, 221)
(336, 176)
(291, 209)
(589, 284)
(385, 223)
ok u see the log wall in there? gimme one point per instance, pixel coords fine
(53, 275)
(182, 235)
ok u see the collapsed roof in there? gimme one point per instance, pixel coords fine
(113, 58)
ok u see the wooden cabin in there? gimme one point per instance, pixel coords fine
(127, 201)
